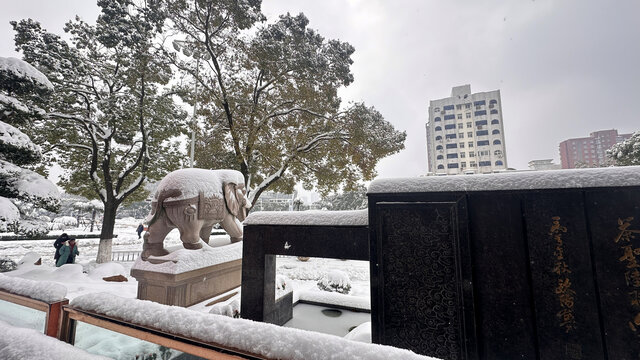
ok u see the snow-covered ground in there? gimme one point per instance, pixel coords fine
(85, 277)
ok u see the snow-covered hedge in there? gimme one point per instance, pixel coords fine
(335, 281)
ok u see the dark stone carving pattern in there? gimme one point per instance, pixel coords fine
(422, 307)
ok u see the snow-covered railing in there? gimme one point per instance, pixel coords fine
(219, 337)
(125, 255)
(43, 296)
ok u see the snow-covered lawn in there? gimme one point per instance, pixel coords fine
(85, 277)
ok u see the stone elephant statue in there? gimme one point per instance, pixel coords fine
(193, 200)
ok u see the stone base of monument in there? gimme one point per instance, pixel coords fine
(187, 277)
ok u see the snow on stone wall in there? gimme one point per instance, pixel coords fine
(39, 290)
(553, 179)
(260, 338)
(310, 217)
(183, 260)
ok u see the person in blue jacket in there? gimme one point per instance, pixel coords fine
(68, 253)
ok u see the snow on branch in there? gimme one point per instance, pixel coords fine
(24, 70)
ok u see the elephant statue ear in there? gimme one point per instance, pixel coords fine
(233, 203)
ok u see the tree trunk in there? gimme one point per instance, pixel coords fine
(106, 235)
(93, 219)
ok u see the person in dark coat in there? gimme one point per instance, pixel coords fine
(58, 244)
(139, 230)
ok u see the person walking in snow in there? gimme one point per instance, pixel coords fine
(58, 244)
(139, 230)
(68, 253)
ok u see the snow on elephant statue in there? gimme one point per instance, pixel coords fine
(194, 200)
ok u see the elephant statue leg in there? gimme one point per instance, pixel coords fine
(205, 233)
(153, 239)
(233, 227)
(190, 234)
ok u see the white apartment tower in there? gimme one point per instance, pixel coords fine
(465, 133)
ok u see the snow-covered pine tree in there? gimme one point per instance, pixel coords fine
(270, 95)
(115, 122)
(22, 189)
(626, 153)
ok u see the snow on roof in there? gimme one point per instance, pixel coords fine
(21, 343)
(309, 217)
(267, 340)
(183, 260)
(23, 69)
(193, 181)
(552, 179)
(39, 290)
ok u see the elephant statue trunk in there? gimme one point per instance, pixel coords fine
(194, 200)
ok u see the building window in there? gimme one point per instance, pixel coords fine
(472, 154)
(450, 126)
(449, 117)
(480, 113)
(461, 145)
(470, 134)
(438, 137)
(458, 107)
(439, 157)
(440, 167)
(463, 155)
(484, 163)
(452, 156)
(499, 163)
(452, 166)
(495, 122)
(437, 119)
(494, 111)
(460, 125)
(483, 143)
(479, 103)
(439, 147)
(436, 109)
(481, 122)
(482, 132)
(483, 153)
(497, 153)
(452, 146)
(450, 136)
(467, 106)
(472, 163)
(438, 128)
(469, 124)
(459, 116)
(495, 132)
(463, 164)
(470, 144)
(461, 135)
(493, 101)
(468, 115)
(448, 107)
(497, 142)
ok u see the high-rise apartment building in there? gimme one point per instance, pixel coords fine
(465, 133)
(589, 151)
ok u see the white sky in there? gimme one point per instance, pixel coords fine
(564, 68)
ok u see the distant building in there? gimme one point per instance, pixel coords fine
(545, 164)
(465, 133)
(589, 151)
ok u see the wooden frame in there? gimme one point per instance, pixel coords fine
(53, 311)
(173, 341)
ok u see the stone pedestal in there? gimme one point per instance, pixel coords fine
(188, 288)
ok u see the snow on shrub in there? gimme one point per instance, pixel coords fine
(335, 281)
(63, 222)
(9, 214)
(30, 227)
(7, 264)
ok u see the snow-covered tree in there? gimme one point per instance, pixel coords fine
(626, 153)
(22, 189)
(347, 200)
(113, 116)
(271, 94)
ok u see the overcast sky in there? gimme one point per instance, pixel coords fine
(565, 68)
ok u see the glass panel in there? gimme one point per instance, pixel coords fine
(22, 316)
(99, 341)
